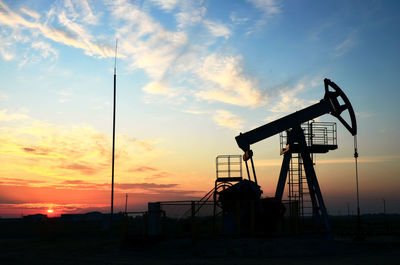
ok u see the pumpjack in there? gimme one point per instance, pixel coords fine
(334, 102)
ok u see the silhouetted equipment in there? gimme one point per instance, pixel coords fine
(238, 200)
(320, 137)
(297, 146)
(243, 210)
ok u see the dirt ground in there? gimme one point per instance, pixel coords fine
(283, 250)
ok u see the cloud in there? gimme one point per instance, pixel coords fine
(79, 185)
(82, 168)
(37, 150)
(81, 10)
(238, 20)
(142, 169)
(191, 13)
(273, 117)
(227, 119)
(75, 35)
(268, 7)
(7, 117)
(346, 45)
(7, 49)
(145, 186)
(74, 182)
(217, 29)
(168, 55)
(167, 5)
(20, 182)
(165, 55)
(150, 173)
(159, 175)
(289, 101)
(226, 82)
(65, 95)
(44, 150)
(145, 43)
(158, 88)
(146, 145)
(30, 13)
(195, 112)
(45, 49)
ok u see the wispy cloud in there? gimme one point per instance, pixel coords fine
(218, 29)
(20, 182)
(167, 5)
(346, 45)
(142, 169)
(7, 49)
(226, 82)
(156, 88)
(166, 56)
(81, 10)
(190, 13)
(82, 168)
(237, 19)
(268, 9)
(289, 100)
(30, 13)
(145, 186)
(227, 119)
(45, 49)
(195, 112)
(51, 151)
(145, 43)
(65, 95)
(74, 34)
(5, 116)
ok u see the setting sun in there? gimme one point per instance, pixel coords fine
(50, 211)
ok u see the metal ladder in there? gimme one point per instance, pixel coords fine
(298, 188)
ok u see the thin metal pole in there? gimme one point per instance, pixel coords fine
(254, 171)
(247, 169)
(348, 209)
(113, 142)
(126, 203)
(358, 197)
(384, 206)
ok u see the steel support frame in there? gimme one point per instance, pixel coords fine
(319, 210)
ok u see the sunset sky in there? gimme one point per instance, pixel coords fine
(191, 76)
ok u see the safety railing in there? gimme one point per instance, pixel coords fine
(316, 133)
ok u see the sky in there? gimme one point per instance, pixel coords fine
(191, 75)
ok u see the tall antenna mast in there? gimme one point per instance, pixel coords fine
(113, 143)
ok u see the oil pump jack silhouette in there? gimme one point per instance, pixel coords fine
(334, 102)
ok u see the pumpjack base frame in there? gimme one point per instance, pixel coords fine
(297, 139)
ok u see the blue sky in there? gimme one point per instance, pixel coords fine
(191, 76)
